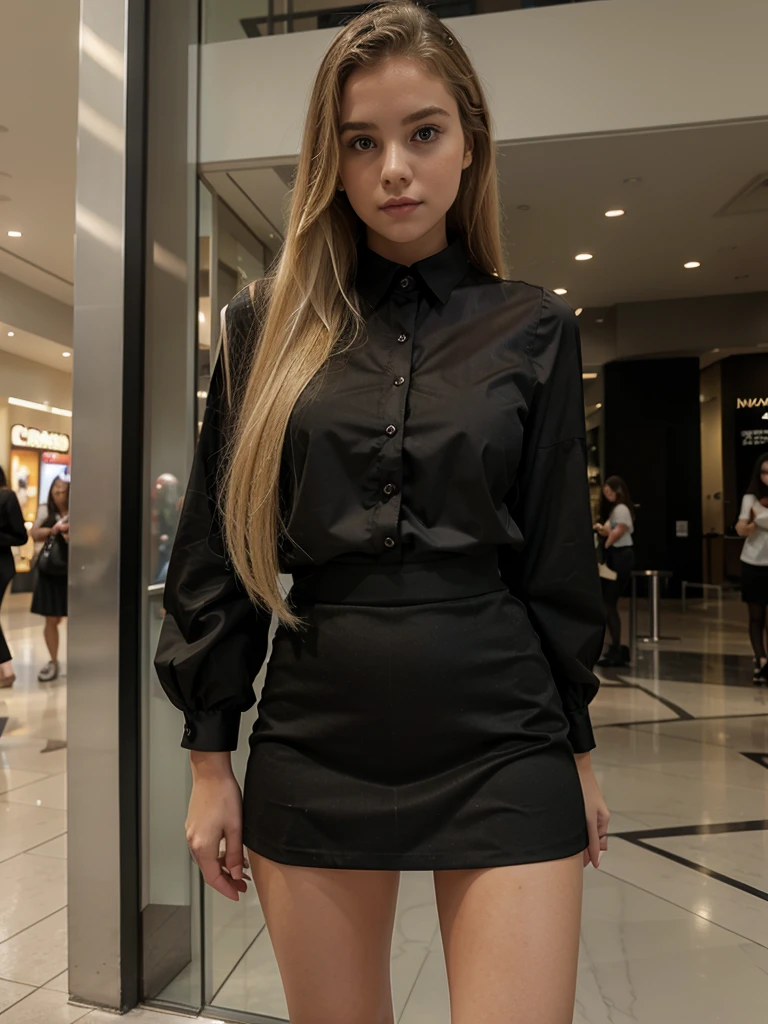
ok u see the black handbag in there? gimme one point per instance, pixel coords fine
(54, 558)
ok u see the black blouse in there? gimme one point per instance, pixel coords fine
(13, 532)
(456, 424)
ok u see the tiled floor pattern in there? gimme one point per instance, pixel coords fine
(675, 926)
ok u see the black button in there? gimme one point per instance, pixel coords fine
(389, 488)
(405, 282)
(399, 381)
(388, 542)
(391, 430)
(402, 338)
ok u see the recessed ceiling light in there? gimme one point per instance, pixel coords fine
(692, 265)
(201, 317)
(632, 181)
(66, 355)
(614, 213)
(600, 320)
(715, 349)
(524, 207)
(588, 376)
(583, 256)
(599, 405)
(561, 291)
(14, 234)
(578, 311)
(10, 334)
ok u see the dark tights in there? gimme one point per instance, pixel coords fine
(757, 628)
(613, 622)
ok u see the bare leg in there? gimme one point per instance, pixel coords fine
(51, 634)
(331, 931)
(511, 940)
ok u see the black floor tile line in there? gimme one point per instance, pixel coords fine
(666, 721)
(641, 840)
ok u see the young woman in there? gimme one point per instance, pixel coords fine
(753, 526)
(50, 596)
(619, 515)
(385, 425)
(13, 533)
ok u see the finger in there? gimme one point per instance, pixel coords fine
(234, 855)
(214, 876)
(238, 883)
(594, 843)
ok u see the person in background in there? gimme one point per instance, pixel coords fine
(50, 596)
(752, 524)
(13, 533)
(617, 529)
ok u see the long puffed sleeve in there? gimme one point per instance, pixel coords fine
(213, 639)
(13, 532)
(555, 571)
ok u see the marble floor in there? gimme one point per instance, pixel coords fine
(675, 924)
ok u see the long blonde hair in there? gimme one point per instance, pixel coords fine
(309, 309)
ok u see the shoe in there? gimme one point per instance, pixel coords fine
(626, 655)
(612, 658)
(760, 678)
(49, 673)
(756, 670)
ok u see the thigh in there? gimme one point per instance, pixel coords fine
(511, 940)
(331, 931)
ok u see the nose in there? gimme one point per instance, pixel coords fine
(395, 166)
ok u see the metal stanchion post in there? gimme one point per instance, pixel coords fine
(633, 621)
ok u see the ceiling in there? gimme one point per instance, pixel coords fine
(39, 350)
(38, 107)
(672, 215)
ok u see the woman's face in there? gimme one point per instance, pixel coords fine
(401, 136)
(609, 493)
(60, 494)
(764, 474)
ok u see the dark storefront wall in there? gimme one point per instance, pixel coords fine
(652, 440)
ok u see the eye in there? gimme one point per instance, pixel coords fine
(361, 138)
(427, 128)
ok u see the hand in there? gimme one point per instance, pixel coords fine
(56, 528)
(598, 814)
(750, 528)
(216, 814)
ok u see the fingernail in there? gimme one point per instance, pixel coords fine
(237, 872)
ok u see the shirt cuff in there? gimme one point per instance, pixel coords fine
(218, 731)
(580, 734)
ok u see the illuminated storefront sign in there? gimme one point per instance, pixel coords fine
(45, 440)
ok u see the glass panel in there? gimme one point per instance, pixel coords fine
(241, 19)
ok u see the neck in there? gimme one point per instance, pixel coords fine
(407, 253)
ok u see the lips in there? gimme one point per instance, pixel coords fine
(403, 201)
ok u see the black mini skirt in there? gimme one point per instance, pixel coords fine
(414, 724)
(754, 583)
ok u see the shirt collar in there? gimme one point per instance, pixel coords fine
(440, 272)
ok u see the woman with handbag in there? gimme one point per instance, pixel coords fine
(13, 533)
(619, 515)
(752, 525)
(50, 596)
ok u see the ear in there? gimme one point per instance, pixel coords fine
(467, 155)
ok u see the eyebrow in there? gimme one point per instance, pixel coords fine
(418, 115)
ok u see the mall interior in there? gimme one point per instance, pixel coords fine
(147, 152)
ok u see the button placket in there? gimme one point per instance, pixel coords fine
(391, 466)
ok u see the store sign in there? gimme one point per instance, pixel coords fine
(31, 437)
(751, 403)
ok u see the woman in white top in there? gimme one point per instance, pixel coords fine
(619, 525)
(753, 526)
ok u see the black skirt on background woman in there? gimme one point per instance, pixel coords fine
(50, 596)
